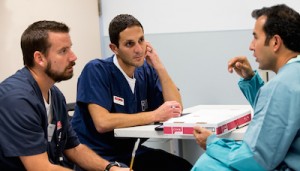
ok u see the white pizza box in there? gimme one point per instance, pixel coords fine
(219, 121)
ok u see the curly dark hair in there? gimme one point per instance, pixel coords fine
(283, 21)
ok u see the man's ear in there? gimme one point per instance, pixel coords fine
(276, 42)
(114, 48)
(39, 59)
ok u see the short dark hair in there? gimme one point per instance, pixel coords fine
(283, 21)
(35, 38)
(120, 23)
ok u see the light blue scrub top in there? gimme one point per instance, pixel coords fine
(273, 136)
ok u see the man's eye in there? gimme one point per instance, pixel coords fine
(129, 44)
(141, 40)
(63, 51)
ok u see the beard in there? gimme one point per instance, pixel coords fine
(57, 77)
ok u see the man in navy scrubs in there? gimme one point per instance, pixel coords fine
(130, 88)
(34, 128)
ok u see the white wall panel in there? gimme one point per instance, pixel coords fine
(173, 16)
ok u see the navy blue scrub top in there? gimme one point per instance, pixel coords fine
(102, 83)
(23, 122)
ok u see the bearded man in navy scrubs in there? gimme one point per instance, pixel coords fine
(34, 128)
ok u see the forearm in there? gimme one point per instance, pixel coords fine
(109, 121)
(86, 158)
(40, 162)
(169, 89)
(251, 87)
(128, 120)
(105, 121)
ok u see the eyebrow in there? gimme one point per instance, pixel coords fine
(128, 41)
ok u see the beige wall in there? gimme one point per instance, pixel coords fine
(80, 15)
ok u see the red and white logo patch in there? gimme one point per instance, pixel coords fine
(119, 100)
(58, 125)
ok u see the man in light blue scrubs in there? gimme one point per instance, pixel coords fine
(272, 141)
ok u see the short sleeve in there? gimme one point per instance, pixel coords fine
(93, 85)
(21, 128)
(72, 139)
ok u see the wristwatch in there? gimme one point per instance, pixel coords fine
(111, 164)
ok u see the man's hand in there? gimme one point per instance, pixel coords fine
(201, 135)
(241, 66)
(152, 57)
(115, 168)
(169, 109)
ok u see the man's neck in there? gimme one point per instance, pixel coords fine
(284, 58)
(128, 70)
(43, 81)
